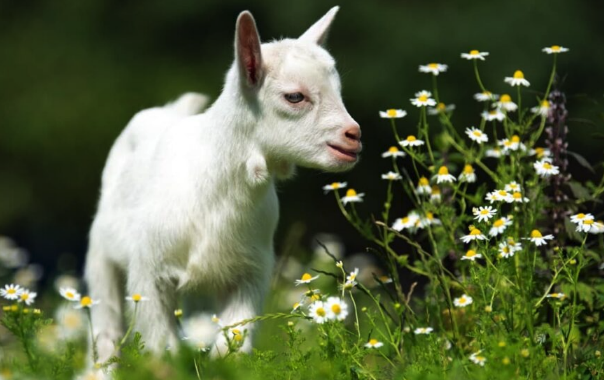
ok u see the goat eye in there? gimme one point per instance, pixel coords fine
(296, 97)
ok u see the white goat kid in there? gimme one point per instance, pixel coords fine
(189, 202)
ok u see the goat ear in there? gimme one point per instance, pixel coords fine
(318, 32)
(247, 49)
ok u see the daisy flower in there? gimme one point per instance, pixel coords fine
(70, 294)
(511, 144)
(385, 279)
(352, 196)
(506, 103)
(11, 292)
(393, 114)
(545, 169)
(555, 49)
(538, 238)
(306, 278)
(136, 298)
(474, 234)
(26, 296)
(495, 114)
(588, 225)
(428, 220)
(335, 186)
(353, 275)
(580, 218)
(505, 250)
(500, 225)
(499, 196)
(517, 79)
(406, 222)
(391, 176)
(318, 312)
(443, 175)
(411, 141)
(373, 343)
(477, 135)
(463, 301)
(393, 152)
(336, 309)
(433, 68)
(543, 108)
(518, 198)
(441, 108)
(468, 174)
(540, 152)
(512, 186)
(556, 295)
(474, 54)
(478, 359)
(471, 255)
(423, 186)
(423, 99)
(87, 302)
(435, 194)
(597, 227)
(486, 96)
(493, 152)
(423, 330)
(483, 214)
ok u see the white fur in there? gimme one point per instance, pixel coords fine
(189, 201)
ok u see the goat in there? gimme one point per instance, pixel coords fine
(188, 200)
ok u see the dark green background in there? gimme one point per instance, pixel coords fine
(72, 73)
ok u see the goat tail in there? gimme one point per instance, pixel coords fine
(189, 103)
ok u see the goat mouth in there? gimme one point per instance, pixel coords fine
(348, 155)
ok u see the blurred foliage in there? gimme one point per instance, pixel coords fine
(72, 73)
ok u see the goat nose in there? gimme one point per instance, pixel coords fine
(353, 132)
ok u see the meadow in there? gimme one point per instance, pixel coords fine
(488, 251)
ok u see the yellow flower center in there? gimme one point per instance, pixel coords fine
(321, 312)
(484, 212)
(515, 139)
(405, 220)
(306, 277)
(480, 358)
(423, 181)
(86, 301)
(502, 193)
(545, 103)
(547, 166)
(580, 216)
(588, 222)
(24, 296)
(475, 231)
(411, 138)
(69, 295)
(433, 65)
(468, 169)
(505, 98)
(11, 291)
(487, 93)
(441, 106)
(336, 309)
(463, 300)
(430, 215)
(536, 234)
(373, 342)
(471, 253)
(315, 297)
(391, 112)
(435, 190)
(423, 98)
(517, 195)
(443, 170)
(555, 48)
(493, 112)
(236, 332)
(474, 52)
(335, 185)
(498, 223)
(477, 133)
(392, 149)
(137, 297)
(238, 337)
(351, 193)
(518, 74)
